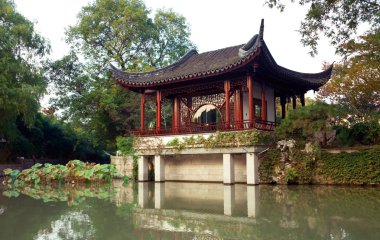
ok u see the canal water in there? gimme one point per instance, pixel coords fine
(174, 210)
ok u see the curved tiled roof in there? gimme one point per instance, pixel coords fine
(308, 80)
(195, 66)
(192, 65)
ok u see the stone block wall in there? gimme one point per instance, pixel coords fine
(207, 167)
(124, 165)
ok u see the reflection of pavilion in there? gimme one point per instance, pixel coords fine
(198, 208)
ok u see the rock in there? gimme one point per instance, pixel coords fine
(319, 137)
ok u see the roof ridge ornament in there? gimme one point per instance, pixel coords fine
(254, 43)
(261, 33)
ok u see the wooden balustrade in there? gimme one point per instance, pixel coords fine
(207, 128)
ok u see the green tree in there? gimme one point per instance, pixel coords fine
(121, 32)
(49, 138)
(356, 82)
(356, 79)
(21, 80)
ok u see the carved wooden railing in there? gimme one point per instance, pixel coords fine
(208, 128)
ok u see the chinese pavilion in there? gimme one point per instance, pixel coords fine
(229, 89)
(233, 88)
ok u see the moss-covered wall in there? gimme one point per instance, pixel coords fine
(362, 167)
(268, 161)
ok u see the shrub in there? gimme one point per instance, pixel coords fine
(125, 145)
(366, 133)
(302, 123)
(291, 176)
(344, 136)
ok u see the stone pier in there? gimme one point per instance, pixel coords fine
(228, 169)
(159, 168)
(226, 165)
(143, 168)
(252, 168)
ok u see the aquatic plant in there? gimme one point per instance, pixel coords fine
(73, 172)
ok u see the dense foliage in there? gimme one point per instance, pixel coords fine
(21, 81)
(23, 131)
(361, 167)
(355, 82)
(329, 125)
(73, 172)
(50, 139)
(125, 33)
(362, 133)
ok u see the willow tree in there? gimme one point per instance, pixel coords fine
(21, 80)
(124, 33)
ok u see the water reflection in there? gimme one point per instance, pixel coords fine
(174, 210)
(229, 199)
(213, 198)
(72, 194)
(253, 200)
(72, 225)
(267, 212)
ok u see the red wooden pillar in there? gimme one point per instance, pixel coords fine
(176, 115)
(302, 98)
(173, 116)
(241, 114)
(294, 101)
(158, 111)
(142, 111)
(250, 100)
(283, 106)
(189, 103)
(236, 109)
(263, 105)
(227, 88)
(238, 106)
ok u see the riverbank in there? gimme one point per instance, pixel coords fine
(359, 166)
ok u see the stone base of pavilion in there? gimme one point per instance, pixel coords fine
(199, 164)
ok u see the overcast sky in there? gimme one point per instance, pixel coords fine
(214, 24)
